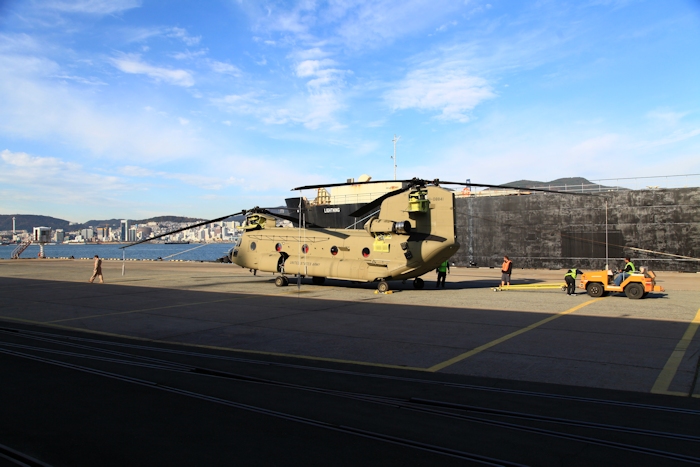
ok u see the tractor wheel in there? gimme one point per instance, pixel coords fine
(418, 283)
(383, 286)
(634, 290)
(281, 281)
(595, 289)
(318, 280)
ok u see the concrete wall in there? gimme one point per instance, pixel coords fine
(561, 231)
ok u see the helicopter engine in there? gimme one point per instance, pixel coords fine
(384, 226)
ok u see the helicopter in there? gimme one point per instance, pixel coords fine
(409, 232)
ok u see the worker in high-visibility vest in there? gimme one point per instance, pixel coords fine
(570, 278)
(506, 269)
(442, 271)
(624, 273)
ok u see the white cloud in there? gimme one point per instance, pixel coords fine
(82, 80)
(25, 161)
(445, 89)
(356, 24)
(36, 108)
(182, 34)
(205, 182)
(598, 146)
(97, 7)
(666, 117)
(60, 182)
(188, 55)
(141, 34)
(132, 63)
(135, 171)
(224, 68)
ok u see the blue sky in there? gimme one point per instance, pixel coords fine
(138, 108)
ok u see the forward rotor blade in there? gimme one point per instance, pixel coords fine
(369, 207)
(293, 220)
(182, 229)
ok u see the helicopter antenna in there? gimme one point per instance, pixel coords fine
(395, 140)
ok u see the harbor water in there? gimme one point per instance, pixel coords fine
(145, 251)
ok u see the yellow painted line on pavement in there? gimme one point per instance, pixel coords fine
(500, 340)
(663, 382)
(532, 286)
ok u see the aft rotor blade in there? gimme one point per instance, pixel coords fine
(507, 187)
(182, 229)
(369, 207)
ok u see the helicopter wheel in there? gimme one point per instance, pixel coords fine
(383, 286)
(281, 281)
(418, 283)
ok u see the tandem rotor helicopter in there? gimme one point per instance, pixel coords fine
(411, 233)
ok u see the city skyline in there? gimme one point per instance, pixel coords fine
(130, 108)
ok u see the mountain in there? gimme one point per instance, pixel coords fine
(569, 182)
(29, 221)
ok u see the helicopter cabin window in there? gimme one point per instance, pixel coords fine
(253, 246)
(334, 250)
(305, 248)
(278, 247)
(365, 252)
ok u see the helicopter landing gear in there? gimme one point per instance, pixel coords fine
(281, 281)
(418, 283)
(383, 287)
(318, 280)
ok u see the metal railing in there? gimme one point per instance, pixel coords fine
(20, 249)
(347, 199)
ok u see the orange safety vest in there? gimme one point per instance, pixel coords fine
(506, 266)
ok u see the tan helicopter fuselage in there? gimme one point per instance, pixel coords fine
(384, 250)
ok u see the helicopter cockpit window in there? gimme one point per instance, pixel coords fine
(365, 252)
(334, 250)
(253, 246)
(238, 241)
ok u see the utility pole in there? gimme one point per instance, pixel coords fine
(395, 140)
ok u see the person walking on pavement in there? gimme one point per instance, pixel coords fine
(97, 270)
(570, 278)
(624, 274)
(442, 271)
(506, 268)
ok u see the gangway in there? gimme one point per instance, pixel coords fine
(20, 248)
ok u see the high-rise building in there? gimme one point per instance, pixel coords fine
(124, 231)
(59, 235)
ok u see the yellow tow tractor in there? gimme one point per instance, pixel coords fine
(636, 285)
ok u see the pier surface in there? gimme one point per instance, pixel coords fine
(178, 363)
(529, 335)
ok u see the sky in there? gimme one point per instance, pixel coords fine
(141, 108)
